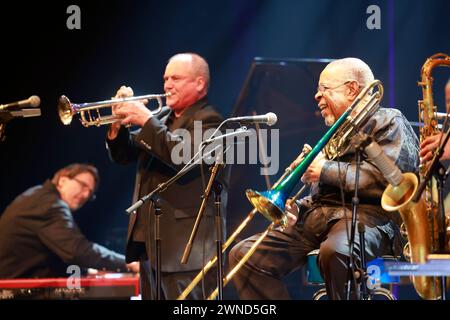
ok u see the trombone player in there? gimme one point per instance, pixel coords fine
(319, 221)
(186, 82)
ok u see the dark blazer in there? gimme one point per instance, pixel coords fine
(151, 147)
(39, 238)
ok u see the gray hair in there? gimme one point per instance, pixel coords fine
(354, 69)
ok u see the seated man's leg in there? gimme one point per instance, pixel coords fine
(276, 256)
(334, 254)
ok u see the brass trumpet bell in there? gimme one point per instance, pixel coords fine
(65, 110)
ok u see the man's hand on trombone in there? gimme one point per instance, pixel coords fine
(291, 212)
(312, 174)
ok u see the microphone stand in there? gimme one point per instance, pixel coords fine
(360, 144)
(355, 201)
(212, 183)
(217, 186)
(219, 239)
(160, 188)
(158, 214)
(437, 171)
(440, 179)
(362, 256)
(217, 166)
(205, 197)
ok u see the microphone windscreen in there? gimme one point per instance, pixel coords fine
(35, 101)
(271, 118)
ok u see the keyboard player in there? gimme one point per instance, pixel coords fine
(39, 237)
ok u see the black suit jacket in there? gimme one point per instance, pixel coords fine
(39, 238)
(151, 146)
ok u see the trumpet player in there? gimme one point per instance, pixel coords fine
(320, 221)
(186, 81)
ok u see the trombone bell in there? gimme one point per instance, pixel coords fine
(270, 204)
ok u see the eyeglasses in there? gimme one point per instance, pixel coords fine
(322, 88)
(85, 186)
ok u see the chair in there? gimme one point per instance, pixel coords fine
(375, 271)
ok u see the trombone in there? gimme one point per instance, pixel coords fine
(251, 214)
(67, 110)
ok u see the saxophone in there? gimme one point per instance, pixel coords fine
(420, 219)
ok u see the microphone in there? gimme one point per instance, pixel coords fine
(387, 167)
(33, 101)
(269, 118)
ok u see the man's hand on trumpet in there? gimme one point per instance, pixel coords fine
(130, 113)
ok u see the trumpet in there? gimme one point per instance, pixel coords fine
(67, 110)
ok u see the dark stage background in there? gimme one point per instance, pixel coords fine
(129, 42)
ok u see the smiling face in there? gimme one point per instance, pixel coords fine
(77, 190)
(184, 82)
(335, 93)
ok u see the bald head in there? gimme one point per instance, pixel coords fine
(198, 65)
(340, 83)
(186, 79)
(352, 69)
